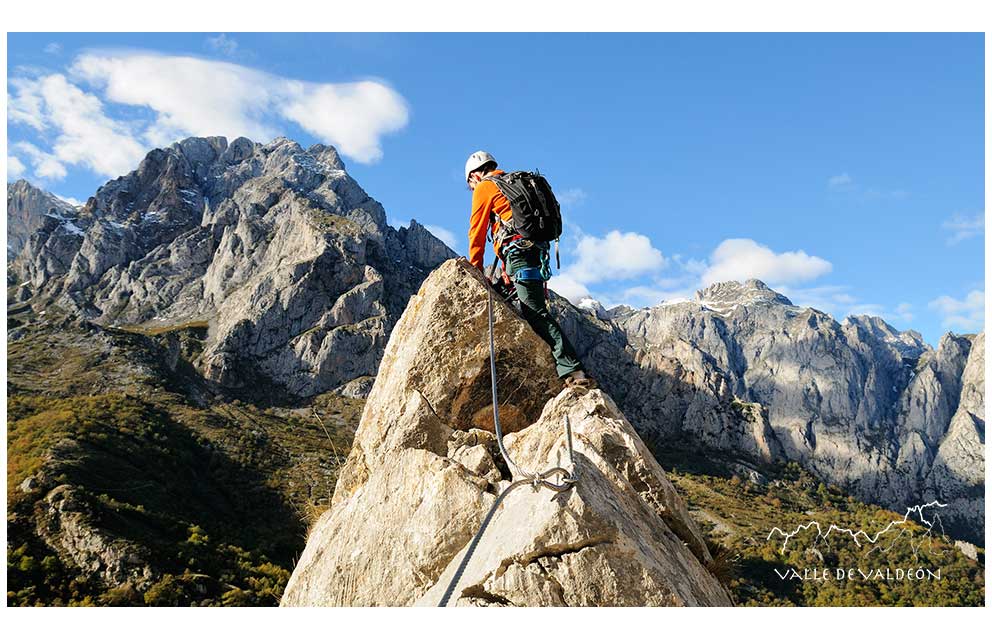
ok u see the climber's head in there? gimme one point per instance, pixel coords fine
(479, 164)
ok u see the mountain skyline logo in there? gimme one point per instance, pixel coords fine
(881, 541)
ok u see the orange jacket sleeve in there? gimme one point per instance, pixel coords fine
(482, 207)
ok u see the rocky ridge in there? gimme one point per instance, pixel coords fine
(27, 207)
(424, 471)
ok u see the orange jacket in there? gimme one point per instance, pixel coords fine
(488, 206)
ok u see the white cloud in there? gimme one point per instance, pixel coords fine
(447, 236)
(15, 168)
(648, 296)
(223, 44)
(904, 312)
(621, 256)
(840, 180)
(26, 105)
(53, 48)
(741, 259)
(351, 116)
(45, 165)
(70, 200)
(691, 265)
(967, 314)
(962, 227)
(567, 286)
(193, 96)
(833, 299)
(618, 255)
(85, 134)
(837, 301)
(571, 197)
(189, 96)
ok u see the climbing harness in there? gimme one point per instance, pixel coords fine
(537, 480)
(540, 272)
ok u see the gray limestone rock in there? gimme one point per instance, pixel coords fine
(27, 207)
(286, 258)
(742, 370)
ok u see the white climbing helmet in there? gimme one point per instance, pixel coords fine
(476, 160)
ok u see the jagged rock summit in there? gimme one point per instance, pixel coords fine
(273, 247)
(732, 293)
(27, 207)
(424, 471)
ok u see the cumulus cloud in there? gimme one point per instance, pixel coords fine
(53, 48)
(45, 165)
(962, 227)
(690, 265)
(565, 285)
(650, 296)
(351, 116)
(178, 96)
(83, 133)
(615, 256)
(967, 314)
(789, 273)
(26, 104)
(740, 259)
(193, 96)
(15, 167)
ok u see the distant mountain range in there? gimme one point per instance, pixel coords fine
(742, 370)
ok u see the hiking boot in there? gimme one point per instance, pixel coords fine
(579, 379)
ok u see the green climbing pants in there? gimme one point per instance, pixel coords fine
(534, 307)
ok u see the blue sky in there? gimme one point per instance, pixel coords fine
(846, 171)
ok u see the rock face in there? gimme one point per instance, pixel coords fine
(286, 258)
(423, 473)
(742, 370)
(66, 523)
(27, 207)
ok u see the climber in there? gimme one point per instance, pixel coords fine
(524, 260)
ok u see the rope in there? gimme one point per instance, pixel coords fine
(537, 480)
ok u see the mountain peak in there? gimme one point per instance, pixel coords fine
(910, 343)
(751, 291)
(27, 207)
